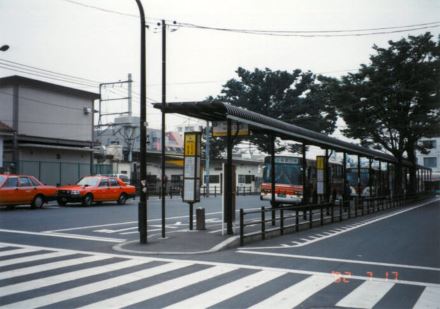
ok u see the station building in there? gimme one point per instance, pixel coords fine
(47, 129)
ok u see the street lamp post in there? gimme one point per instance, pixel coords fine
(142, 215)
(164, 100)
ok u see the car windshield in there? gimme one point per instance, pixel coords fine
(88, 181)
(2, 178)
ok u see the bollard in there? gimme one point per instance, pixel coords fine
(322, 215)
(263, 223)
(200, 219)
(297, 221)
(241, 227)
(282, 221)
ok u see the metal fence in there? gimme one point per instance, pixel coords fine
(288, 218)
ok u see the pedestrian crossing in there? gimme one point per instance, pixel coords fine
(55, 278)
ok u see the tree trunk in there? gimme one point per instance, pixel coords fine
(412, 171)
(398, 178)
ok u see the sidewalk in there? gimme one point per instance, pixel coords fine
(181, 243)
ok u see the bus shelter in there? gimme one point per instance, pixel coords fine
(382, 168)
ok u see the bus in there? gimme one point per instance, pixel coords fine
(289, 182)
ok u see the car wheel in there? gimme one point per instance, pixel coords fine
(88, 200)
(62, 202)
(38, 202)
(122, 199)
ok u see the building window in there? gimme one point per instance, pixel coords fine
(430, 162)
(247, 179)
(213, 178)
(430, 144)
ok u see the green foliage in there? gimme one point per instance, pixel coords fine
(395, 100)
(298, 98)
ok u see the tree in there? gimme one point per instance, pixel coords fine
(395, 100)
(297, 98)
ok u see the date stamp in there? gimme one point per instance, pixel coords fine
(345, 276)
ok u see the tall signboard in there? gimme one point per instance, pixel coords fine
(191, 171)
(320, 167)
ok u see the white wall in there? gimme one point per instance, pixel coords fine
(1, 151)
(6, 105)
(54, 115)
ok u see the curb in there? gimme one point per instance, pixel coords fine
(232, 241)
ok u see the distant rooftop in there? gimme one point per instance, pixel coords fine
(21, 80)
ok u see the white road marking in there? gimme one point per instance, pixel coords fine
(295, 294)
(320, 258)
(94, 287)
(347, 229)
(32, 258)
(62, 235)
(49, 266)
(366, 295)
(126, 222)
(15, 251)
(429, 299)
(224, 292)
(78, 274)
(285, 270)
(138, 296)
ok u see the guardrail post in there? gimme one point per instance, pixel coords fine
(311, 218)
(355, 209)
(349, 211)
(341, 211)
(263, 223)
(322, 215)
(282, 221)
(297, 221)
(274, 215)
(333, 212)
(241, 227)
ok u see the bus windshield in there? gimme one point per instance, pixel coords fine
(289, 174)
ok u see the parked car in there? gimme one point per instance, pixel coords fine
(122, 177)
(92, 189)
(23, 189)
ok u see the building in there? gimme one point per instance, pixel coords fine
(5, 132)
(52, 129)
(431, 159)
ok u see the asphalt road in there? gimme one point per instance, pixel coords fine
(62, 257)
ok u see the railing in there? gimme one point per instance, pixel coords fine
(288, 217)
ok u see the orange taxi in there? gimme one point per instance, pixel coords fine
(92, 189)
(22, 189)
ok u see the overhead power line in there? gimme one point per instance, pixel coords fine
(111, 11)
(289, 33)
(29, 67)
(316, 33)
(33, 73)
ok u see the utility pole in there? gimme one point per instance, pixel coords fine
(207, 151)
(143, 128)
(130, 81)
(164, 100)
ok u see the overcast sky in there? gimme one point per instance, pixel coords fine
(65, 37)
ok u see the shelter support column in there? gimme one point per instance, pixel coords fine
(346, 191)
(359, 177)
(305, 181)
(370, 177)
(272, 176)
(228, 179)
(380, 184)
(327, 186)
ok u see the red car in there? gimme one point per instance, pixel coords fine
(92, 189)
(22, 189)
